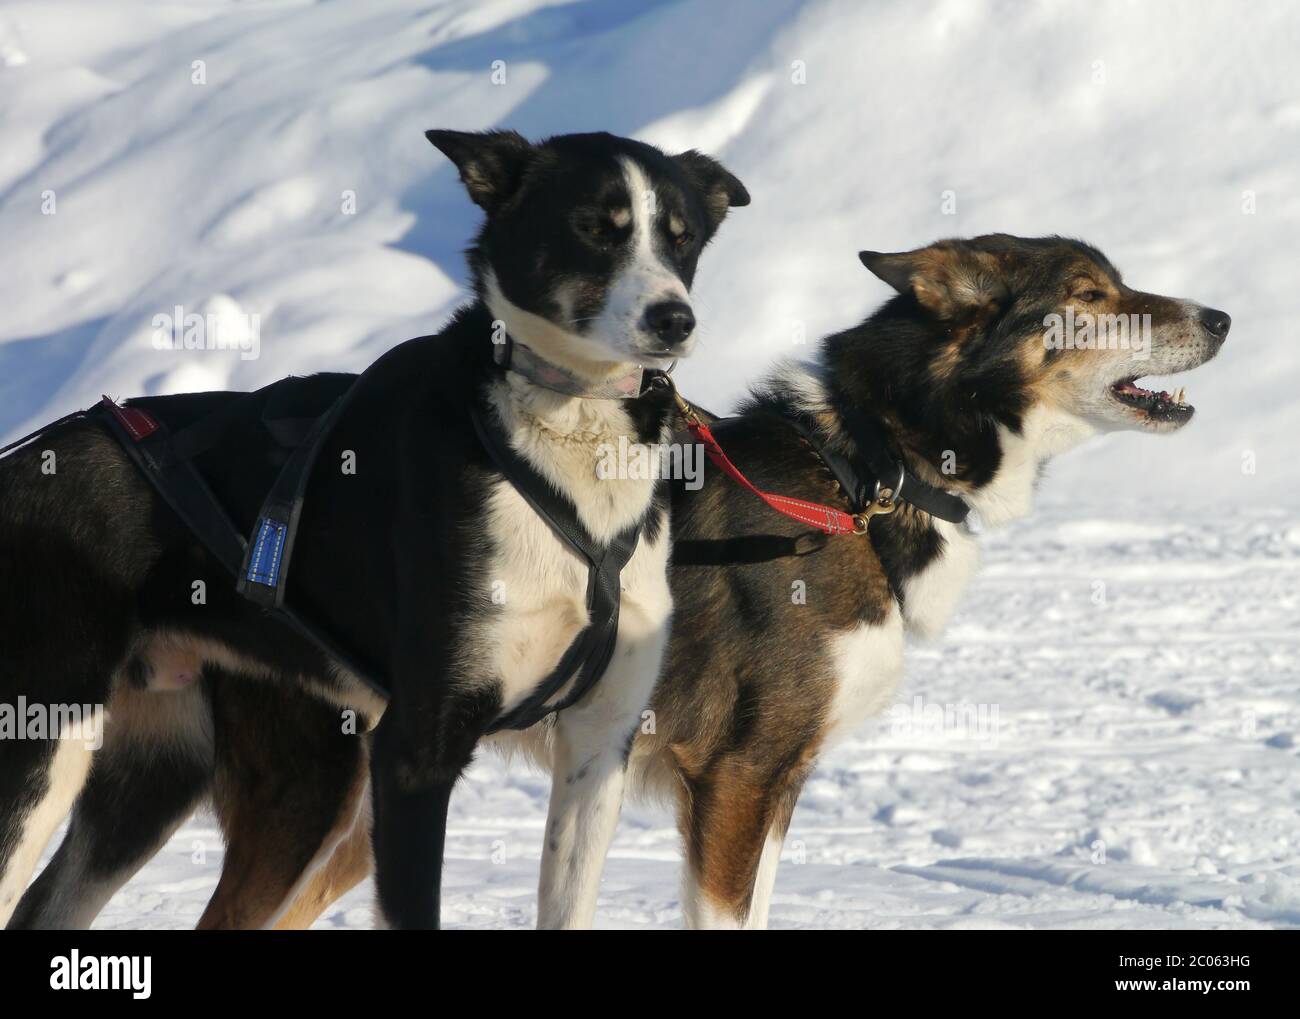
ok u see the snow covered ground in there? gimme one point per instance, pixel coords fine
(266, 158)
(1136, 764)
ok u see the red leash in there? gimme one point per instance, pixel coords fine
(826, 519)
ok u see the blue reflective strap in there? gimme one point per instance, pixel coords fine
(265, 558)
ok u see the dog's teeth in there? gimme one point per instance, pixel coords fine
(1179, 396)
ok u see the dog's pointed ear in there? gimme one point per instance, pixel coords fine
(894, 269)
(947, 279)
(491, 163)
(720, 189)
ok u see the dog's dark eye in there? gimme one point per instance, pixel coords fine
(602, 231)
(1089, 296)
(683, 240)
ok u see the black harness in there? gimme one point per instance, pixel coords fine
(261, 562)
(588, 655)
(260, 566)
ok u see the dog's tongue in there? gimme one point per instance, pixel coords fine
(1130, 386)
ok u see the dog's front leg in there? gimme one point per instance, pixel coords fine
(412, 774)
(592, 741)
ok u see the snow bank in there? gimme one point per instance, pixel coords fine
(272, 152)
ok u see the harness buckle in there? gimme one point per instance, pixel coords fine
(883, 502)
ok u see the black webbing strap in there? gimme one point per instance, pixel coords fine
(200, 436)
(175, 479)
(180, 484)
(589, 653)
(183, 488)
(264, 572)
(872, 447)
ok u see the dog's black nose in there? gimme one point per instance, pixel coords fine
(1216, 322)
(670, 321)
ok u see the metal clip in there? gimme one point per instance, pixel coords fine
(685, 409)
(883, 502)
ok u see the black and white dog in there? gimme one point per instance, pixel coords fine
(421, 556)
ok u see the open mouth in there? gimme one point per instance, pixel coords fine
(1158, 407)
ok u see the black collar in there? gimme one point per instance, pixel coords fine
(875, 469)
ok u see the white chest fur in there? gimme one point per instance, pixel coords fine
(867, 663)
(930, 596)
(537, 583)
